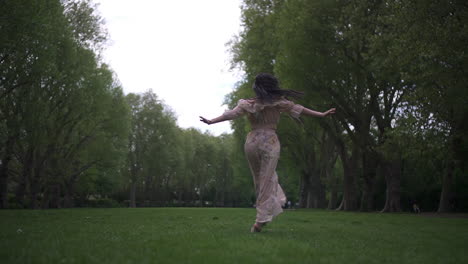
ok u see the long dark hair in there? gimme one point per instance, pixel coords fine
(266, 87)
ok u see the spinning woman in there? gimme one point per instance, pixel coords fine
(262, 147)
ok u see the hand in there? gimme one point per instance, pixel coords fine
(330, 111)
(206, 121)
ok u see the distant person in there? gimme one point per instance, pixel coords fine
(416, 208)
(262, 147)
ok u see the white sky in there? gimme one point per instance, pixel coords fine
(176, 48)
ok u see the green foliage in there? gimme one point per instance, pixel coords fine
(63, 111)
(167, 165)
(395, 71)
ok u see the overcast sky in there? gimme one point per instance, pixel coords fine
(176, 48)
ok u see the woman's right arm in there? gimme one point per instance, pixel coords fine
(228, 115)
(215, 120)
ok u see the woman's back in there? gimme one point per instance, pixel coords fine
(264, 114)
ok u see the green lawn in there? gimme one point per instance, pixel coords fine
(215, 235)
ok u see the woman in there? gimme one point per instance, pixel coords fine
(262, 147)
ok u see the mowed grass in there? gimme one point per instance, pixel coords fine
(220, 235)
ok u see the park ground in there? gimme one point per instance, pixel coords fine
(221, 235)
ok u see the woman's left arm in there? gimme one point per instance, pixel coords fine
(310, 112)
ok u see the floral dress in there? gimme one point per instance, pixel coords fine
(262, 150)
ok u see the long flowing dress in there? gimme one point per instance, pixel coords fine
(262, 149)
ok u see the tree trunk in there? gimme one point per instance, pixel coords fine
(180, 196)
(446, 194)
(201, 197)
(392, 170)
(25, 177)
(349, 202)
(55, 197)
(367, 198)
(133, 194)
(333, 190)
(4, 173)
(312, 192)
(149, 190)
(333, 197)
(51, 198)
(45, 203)
(33, 194)
(315, 200)
(304, 190)
(4, 182)
(350, 192)
(35, 186)
(220, 195)
(316, 192)
(340, 207)
(332, 184)
(68, 199)
(369, 164)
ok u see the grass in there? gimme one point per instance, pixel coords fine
(215, 235)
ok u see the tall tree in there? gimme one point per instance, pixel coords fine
(429, 44)
(150, 146)
(54, 95)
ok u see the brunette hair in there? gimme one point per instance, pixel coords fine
(266, 87)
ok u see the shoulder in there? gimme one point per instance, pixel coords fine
(284, 103)
(246, 101)
(247, 105)
(290, 107)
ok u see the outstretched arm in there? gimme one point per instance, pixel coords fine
(310, 112)
(228, 115)
(218, 119)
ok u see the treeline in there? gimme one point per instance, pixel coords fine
(170, 166)
(70, 137)
(397, 73)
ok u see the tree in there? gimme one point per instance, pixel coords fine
(57, 100)
(429, 44)
(150, 149)
(354, 55)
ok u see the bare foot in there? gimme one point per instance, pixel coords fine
(257, 227)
